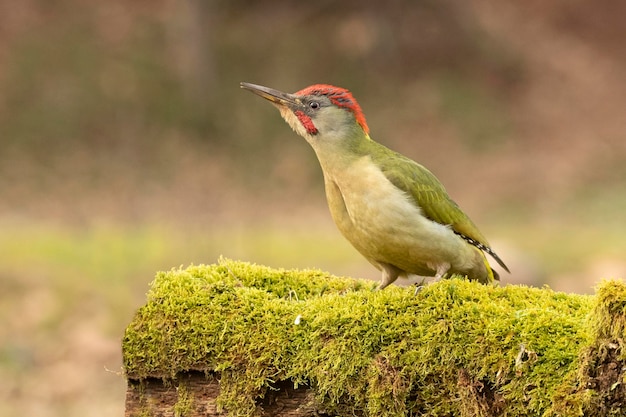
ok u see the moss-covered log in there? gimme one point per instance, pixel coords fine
(239, 339)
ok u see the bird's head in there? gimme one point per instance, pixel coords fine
(318, 111)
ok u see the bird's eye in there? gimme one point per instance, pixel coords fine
(314, 105)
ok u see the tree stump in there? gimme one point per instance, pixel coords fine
(235, 339)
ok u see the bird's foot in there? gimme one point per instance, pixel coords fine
(390, 274)
(419, 286)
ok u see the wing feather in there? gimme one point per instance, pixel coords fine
(427, 192)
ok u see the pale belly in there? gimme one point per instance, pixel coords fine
(385, 226)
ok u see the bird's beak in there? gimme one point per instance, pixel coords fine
(277, 98)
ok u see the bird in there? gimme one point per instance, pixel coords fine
(393, 210)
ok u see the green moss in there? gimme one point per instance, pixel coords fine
(608, 320)
(455, 348)
(184, 403)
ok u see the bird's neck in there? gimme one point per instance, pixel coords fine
(338, 154)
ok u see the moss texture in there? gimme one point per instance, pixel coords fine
(456, 348)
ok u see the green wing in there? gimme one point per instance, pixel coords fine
(426, 190)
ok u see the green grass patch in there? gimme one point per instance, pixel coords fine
(104, 269)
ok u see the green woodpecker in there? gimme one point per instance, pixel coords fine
(391, 209)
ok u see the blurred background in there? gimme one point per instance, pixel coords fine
(127, 147)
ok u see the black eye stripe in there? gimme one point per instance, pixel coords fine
(330, 95)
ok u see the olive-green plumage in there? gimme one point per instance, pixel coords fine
(391, 209)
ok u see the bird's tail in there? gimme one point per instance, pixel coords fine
(496, 257)
(492, 275)
(491, 253)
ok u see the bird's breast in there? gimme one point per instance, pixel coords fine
(364, 201)
(383, 222)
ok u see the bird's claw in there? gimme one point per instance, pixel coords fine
(419, 286)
